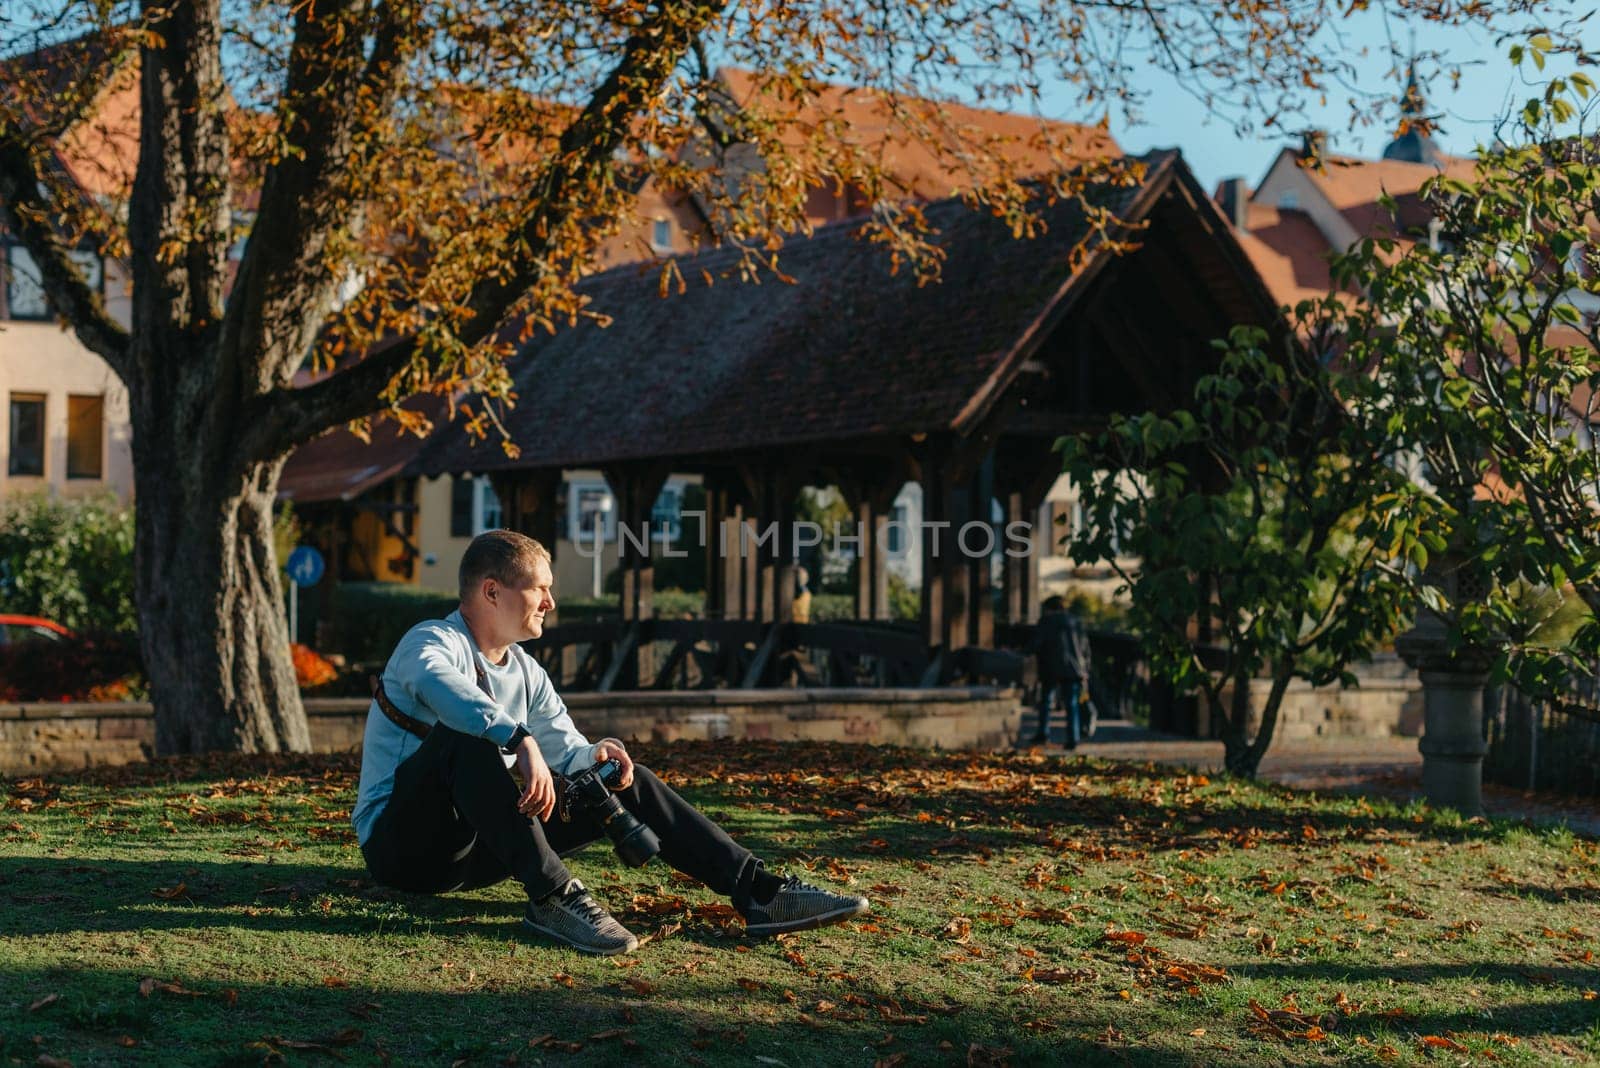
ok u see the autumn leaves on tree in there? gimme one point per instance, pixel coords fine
(331, 207)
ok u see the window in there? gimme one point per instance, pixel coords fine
(25, 296)
(1288, 200)
(661, 235)
(666, 515)
(486, 514)
(592, 503)
(461, 506)
(26, 455)
(474, 507)
(17, 633)
(24, 292)
(85, 436)
(897, 529)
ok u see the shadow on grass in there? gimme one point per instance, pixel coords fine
(1554, 895)
(100, 1016)
(942, 804)
(1574, 1014)
(46, 896)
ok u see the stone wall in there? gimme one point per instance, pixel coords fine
(1381, 707)
(44, 737)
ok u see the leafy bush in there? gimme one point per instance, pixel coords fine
(100, 666)
(69, 561)
(366, 620)
(669, 604)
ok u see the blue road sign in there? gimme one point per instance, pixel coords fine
(306, 566)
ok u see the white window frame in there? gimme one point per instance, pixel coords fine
(659, 528)
(579, 532)
(486, 511)
(657, 224)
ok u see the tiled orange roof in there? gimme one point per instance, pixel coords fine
(1289, 251)
(1353, 186)
(1035, 146)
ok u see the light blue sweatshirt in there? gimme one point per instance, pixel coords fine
(430, 677)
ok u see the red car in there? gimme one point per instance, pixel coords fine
(15, 630)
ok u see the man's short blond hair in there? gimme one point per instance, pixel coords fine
(503, 555)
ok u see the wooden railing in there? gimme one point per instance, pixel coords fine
(703, 654)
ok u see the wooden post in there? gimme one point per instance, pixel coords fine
(1015, 573)
(747, 553)
(635, 488)
(935, 510)
(880, 567)
(980, 568)
(866, 557)
(958, 584)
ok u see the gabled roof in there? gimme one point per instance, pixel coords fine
(100, 147)
(851, 350)
(1291, 250)
(1353, 186)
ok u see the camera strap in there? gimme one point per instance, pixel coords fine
(410, 724)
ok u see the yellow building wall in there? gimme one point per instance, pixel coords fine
(41, 358)
(441, 553)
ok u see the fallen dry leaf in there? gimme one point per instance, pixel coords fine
(364, 1010)
(48, 999)
(149, 986)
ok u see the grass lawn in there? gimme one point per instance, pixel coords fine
(1026, 910)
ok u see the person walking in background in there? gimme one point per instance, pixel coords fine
(1062, 646)
(801, 610)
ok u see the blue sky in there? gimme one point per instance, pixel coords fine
(1172, 118)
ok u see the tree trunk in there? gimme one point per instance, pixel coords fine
(1242, 755)
(211, 619)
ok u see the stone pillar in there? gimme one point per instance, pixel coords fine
(1452, 742)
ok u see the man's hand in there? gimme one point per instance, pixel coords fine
(538, 791)
(611, 749)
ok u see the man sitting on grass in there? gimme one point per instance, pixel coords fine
(460, 705)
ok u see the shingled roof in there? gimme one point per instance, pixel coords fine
(851, 350)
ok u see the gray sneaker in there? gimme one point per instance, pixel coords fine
(799, 906)
(573, 917)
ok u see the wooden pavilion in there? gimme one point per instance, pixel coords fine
(856, 376)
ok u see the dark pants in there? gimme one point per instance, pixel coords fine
(1071, 691)
(452, 824)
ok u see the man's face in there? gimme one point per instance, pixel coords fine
(520, 610)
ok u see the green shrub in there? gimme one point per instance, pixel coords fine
(366, 620)
(669, 604)
(69, 561)
(905, 603)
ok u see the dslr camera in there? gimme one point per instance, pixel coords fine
(590, 791)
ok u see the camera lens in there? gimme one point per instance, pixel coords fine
(634, 841)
